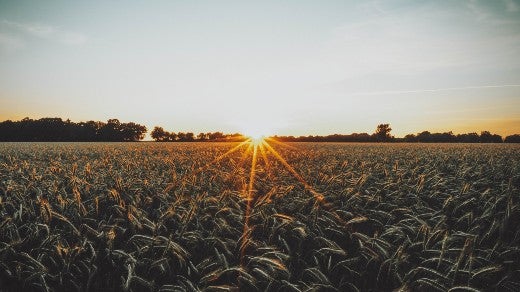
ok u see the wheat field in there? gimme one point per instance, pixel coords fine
(288, 217)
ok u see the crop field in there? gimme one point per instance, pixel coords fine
(257, 216)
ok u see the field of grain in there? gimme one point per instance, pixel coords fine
(185, 217)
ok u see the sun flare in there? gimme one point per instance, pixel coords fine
(256, 134)
(257, 139)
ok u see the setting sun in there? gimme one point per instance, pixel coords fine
(257, 132)
(257, 140)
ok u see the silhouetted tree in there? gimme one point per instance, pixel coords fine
(446, 137)
(410, 138)
(202, 137)
(487, 137)
(111, 131)
(468, 138)
(181, 136)
(216, 135)
(87, 131)
(190, 137)
(513, 138)
(382, 133)
(132, 131)
(159, 135)
(424, 136)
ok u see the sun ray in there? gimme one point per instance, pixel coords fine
(263, 152)
(319, 197)
(222, 156)
(252, 172)
(249, 199)
(201, 168)
(245, 155)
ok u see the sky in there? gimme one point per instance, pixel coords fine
(279, 67)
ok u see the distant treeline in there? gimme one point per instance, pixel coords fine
(423, 137)
(160, 135)
(56, 129)
(381, 134)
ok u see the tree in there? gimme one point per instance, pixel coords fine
(487, 137)
(132, 131)
(410, 138)
(513, 138)
(424, 136)
(56, 129)
(159, 135)
(181, 136)
(216, 135)
(382, 133)
(468, 138)
(446, 137)
(201, 137)
(190, 137)
(111, 131)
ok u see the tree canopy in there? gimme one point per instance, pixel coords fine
(56, 129)
(160, 135)
(382, 133)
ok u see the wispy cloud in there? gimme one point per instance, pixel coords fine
(44, 31)
(421, 40)
(71, 38)
(386, 92)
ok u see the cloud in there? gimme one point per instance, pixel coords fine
(72, 38)
(38, 30)
(47, 32)
(386, 92)
(421, 39)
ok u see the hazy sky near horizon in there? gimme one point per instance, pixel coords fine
(289, 67)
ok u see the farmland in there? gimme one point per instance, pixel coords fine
(294, 217)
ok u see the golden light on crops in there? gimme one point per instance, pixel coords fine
(237, 221)
(257, 146)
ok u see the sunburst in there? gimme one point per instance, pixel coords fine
(256, 143)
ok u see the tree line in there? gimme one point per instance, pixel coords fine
(382, 134)
(56, 129)
(160, 135)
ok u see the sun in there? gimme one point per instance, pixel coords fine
(256, 134)
(257, 140)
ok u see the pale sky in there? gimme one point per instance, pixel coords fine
(286, 67)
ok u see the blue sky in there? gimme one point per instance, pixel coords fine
(285, 67)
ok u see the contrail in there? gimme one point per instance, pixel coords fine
(435, 89)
